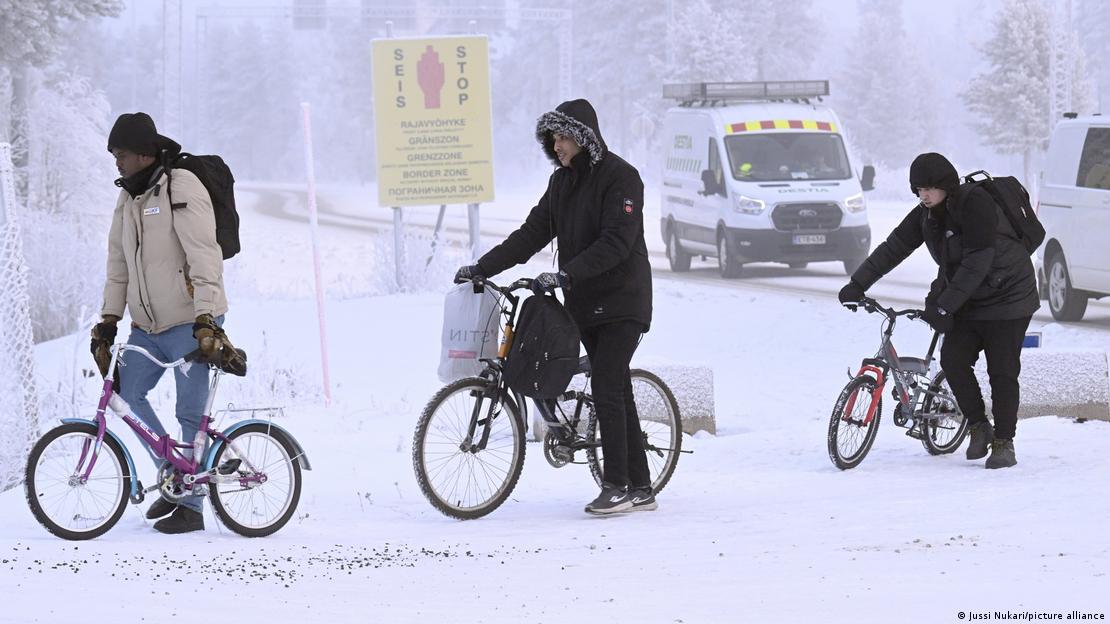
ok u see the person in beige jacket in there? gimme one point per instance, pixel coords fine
(165, 267)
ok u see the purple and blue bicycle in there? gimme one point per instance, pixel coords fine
(80, 475)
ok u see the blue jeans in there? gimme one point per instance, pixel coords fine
(138, 376)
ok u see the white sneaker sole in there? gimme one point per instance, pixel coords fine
(620, 508)
(652, 506)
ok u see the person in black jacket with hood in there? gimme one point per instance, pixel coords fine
(593, 208)
(983, 298)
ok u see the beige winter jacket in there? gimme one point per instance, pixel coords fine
(165, 265)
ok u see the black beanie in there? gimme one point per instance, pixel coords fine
(933, 170)
(135, 132)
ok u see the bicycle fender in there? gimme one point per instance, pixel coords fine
(126, 452)
(298, 450)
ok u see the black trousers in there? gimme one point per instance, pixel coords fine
(1001, 342)
(610, 348)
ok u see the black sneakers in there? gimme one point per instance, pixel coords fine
(643, 499)
(612, 500)
(981, 436)
(182, 520)
(161, 507)
(1002, 454)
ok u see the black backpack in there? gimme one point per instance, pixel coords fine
(216, 177)
(1012, 197)
(544, 354)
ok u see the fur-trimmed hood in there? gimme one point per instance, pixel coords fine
(576, 119)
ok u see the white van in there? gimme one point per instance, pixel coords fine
(1074, 207)
(756, 173)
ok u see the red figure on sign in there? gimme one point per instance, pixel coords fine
(429, 74)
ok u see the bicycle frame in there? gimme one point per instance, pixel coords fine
(164, 447)
(886, 364)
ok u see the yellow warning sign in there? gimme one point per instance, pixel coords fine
(432, 120)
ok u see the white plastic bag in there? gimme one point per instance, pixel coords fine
(471, 322)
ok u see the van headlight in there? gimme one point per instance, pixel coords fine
(748, 205)
(855, 203)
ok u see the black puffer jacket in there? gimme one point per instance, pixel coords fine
(984, 272)
(595, 210)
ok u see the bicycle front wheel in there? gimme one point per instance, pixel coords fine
(460, 475)
(259, 481)
(61, 499)
(660, 425)
(851, 434)
(944, 427)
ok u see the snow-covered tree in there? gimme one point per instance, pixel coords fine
(1013, 98)
(705, 46)
(884, 96)
(31, 31)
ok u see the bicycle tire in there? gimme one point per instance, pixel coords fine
(665, 442)
(47, 458)
(840, 459)
(929, 430)
(508, 450)
(257, 500)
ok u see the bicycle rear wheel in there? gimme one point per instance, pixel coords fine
(256, 502)
(457, 477)
(67, 505)
(943, 434)
(850, 435)
(660, 424)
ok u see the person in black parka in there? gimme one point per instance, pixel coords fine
(593, 208)
(982, 300)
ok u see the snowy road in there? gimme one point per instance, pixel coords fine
(756, 525)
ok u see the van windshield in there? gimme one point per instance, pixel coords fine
(783, 156)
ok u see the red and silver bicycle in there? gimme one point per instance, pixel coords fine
(924, 405)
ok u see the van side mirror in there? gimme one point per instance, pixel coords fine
(710, 185)
(867, 181)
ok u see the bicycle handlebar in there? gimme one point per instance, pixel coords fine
(872, 306)
(188, 360)
(524, 283)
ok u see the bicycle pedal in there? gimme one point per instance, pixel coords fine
(229, 467)
(914, 433)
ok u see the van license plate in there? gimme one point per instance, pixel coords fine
(809, 239)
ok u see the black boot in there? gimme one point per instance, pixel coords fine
(161, 507)
(1002, 454)
(981, 436)
(182, 520)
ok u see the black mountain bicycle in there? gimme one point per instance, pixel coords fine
(468, 449)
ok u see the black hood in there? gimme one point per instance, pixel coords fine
(933, 170)
(576, 119)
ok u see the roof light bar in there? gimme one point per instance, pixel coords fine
(694, 91)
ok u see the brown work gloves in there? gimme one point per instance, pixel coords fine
(103, 336)
(216, 348)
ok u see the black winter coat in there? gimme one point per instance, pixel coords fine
(595, 211)
(984, 271)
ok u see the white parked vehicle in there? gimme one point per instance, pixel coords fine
(755, 172)
(1074, 207)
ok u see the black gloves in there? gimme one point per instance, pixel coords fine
(851, 293)
(103, 336)
(548, 282)
(937, 318)
(471, 271)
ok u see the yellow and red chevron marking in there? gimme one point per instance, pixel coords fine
(780, 124)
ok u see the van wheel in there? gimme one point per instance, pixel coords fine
(1066, 303)
(679, 259)
(729, 265)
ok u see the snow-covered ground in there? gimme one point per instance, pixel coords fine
(756, 525)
